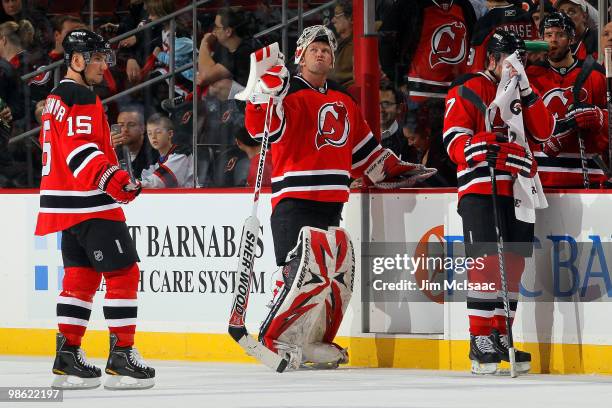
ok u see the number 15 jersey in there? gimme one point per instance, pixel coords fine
(77, 149)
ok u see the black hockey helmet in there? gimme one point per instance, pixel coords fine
(505, 42)
(86, 43)
(558, 19)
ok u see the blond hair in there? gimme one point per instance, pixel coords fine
(18, 34)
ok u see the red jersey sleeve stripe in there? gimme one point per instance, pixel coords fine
(452, 133)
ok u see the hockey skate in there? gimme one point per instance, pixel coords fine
(323, 356)
(71, 368)
(522, 358)
(126, 369)
(483, 356)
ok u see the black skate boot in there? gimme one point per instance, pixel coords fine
(71, 369)
(126, 369)
(484, 357)
(500, 344)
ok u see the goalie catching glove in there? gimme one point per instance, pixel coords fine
(387, 171)
(274, 83)
(116, 183)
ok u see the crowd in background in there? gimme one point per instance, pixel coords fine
(156, 124)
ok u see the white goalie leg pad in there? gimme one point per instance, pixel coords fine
(319, 283)
(341, 272)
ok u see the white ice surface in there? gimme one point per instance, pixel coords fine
(185, 384)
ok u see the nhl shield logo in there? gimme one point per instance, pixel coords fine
(98, 256)
(333, 125)
(448, 44)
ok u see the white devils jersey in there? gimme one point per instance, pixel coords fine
(173, 170)
(318, 138)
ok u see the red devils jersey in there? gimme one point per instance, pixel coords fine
(433, 38)
(556, 85)
(463, 120)
(76, 148)
(509, 18)
(318, 139)
(586, 45)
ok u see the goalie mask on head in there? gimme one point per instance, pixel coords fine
(312, 34)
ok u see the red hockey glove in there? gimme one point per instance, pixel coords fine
(588, 117)
(563, 128)
(274, 82)
(476, 147)
(513, 158)
(388, 171)
(116, 183)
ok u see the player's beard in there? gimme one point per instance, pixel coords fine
(559, 54)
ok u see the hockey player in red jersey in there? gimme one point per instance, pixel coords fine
(427, 43)
(503, 15)
(319, 141)
(80, 192)
(559, 161)
(475, 150)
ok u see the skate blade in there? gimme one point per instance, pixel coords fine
(483, 368)
(318, 366)
(124, 382)
(71, 382)
(522, 368)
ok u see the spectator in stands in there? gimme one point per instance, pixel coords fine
(15, 38)
(14, 10)
(508, 15)
(231, 166)
(225, 52)
(11, 95)
(343, 24)
(535, 12)
(253, 149)
(424, 133)
(391, 106)
(175, 165)
(135, 15)
(415, 47)
(224, 119)
(585, 42)
(142, 155)
(606, 37)
(135, 50)
(61, 26)
(183, 54)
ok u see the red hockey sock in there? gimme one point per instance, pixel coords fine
(120, 303)
(75, 302)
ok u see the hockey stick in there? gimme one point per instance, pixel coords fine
(587, 68)
(244, 273)
(474, 99)
(608, 64)
(500, 256)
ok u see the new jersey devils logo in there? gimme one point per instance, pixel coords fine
(558, 100)
(333, 125)
(448, 44)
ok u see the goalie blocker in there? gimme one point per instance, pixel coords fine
(316, 287)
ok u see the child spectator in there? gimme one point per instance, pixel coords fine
(175, 165)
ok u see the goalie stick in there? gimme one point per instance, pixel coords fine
(246, 260)
(474, 99)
